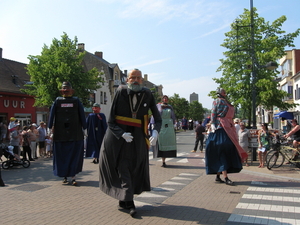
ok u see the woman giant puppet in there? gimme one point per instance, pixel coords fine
(223, 152)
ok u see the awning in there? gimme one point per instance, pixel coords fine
(284, 114)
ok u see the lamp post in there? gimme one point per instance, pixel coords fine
(253, 67)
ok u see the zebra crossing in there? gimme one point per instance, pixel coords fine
(181, 157)
(148, 200)
(267, 204)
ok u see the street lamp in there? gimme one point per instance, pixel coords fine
(269, 66)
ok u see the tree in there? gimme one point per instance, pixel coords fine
(196, 111)
(269, 41)
(62, 61)
(180, 106)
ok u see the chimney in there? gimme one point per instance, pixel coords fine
(99, 54)
(1, 53)
(81, 46)
(145, 77)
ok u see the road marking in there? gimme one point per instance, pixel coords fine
(148, 200)
(261, 205)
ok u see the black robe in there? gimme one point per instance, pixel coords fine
(124, 167)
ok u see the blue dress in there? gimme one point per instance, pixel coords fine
(96, 128)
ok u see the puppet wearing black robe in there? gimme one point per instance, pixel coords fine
(68, 120)
(124, 167)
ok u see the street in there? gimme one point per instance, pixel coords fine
(181, 193)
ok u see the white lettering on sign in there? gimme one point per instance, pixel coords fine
(66, 105)
(14, 104)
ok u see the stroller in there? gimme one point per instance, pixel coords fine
(11, 161)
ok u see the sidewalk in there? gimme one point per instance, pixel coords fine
(181, 194)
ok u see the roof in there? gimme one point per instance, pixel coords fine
(13, 76)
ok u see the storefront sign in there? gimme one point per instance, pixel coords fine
(14, 103)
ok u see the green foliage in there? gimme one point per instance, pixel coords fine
(58, 63)
(270, 42)
(155, 94)
(196, 111)
(180, 106)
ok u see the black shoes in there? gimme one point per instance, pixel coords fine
(95, 161)
(132, 212)
(218, 179)
(164, 164)
(228, 182)
(128, 205)
(74, 183)
(65, 181)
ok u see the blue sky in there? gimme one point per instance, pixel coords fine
(176, 42)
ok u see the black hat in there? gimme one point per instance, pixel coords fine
(66, 84)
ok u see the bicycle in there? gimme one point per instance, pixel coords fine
(281, 151)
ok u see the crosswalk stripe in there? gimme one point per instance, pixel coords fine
(264, 203)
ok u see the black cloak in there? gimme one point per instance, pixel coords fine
(115, 150)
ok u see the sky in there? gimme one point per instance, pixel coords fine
(176, 42)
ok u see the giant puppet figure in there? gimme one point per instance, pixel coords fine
(96, 128)
(124, 154)
(67, 121)
(223, 152)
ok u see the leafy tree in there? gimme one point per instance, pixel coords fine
(269, 41)
(196, 111)
(155, 94)
(180, 106)
(62, 61)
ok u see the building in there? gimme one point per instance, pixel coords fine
(289, 81)
(13, 102)
(194, 97)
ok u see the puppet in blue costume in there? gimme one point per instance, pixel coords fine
(67, 121)
(96, 128)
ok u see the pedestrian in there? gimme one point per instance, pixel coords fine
(237, 125)
(166, 147)
(48, 141)
(3, 132)
(244, 138)
(33, 136)
(184, 124)
(67, 121)
(15, 140)
(200, 131)
(42, 136)
(124, 155)
(96, 128)
(264, 138)
(191, 124)
(26, 144)
(223, 153)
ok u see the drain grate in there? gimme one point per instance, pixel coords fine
(30, 187)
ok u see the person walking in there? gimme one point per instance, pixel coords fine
(166, 147)
(67, 121)
(200, 131)
(42, 136)
(26, 144)
(223, 153)
(96, 128)
(124, 154)
(264, 137)
(184, 124)
(244, 138)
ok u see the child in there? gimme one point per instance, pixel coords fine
(48, 141)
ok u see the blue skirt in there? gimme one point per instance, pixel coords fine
(67, 158)
(221, 154)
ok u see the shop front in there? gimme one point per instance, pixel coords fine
(18, 106)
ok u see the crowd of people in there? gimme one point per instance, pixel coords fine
(27, 139)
